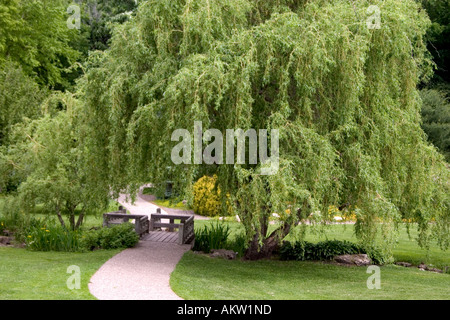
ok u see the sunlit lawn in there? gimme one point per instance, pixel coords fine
(201, 277)
(28, 275)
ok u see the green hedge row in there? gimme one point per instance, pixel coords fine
(326, 250)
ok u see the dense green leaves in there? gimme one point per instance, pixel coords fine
(436, 119)
(99, 17)
(439, 36)
(48, 157)
(342, 96)
(34, 34)
(20, 97)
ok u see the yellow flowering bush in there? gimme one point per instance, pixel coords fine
(346, 215)
(206, 200)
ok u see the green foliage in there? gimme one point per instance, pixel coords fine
(48, 158)
(20, 97)
(436, 119)
(115, 237)
(326, 250)
(34, 34)
(13, 218)
(49, 235)
(438, 36)
(206, 200)
(102, 15)
(213, 236)
(343, 97)
(237, 244)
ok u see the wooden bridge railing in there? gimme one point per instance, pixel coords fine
(185, 227)
(143, 225)
(141, 222)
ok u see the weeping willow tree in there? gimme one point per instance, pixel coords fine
(342, 96)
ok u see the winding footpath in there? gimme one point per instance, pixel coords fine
(142, 272)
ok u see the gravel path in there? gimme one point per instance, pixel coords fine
(140, 273)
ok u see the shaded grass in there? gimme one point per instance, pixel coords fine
(26, 275)
(205, 278)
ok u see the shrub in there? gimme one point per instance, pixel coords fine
(214, 236)
(12, 217)
(326, 250)
(238, 244)
(206, 197)
(49, 235)
(120, 236)
(377, 256)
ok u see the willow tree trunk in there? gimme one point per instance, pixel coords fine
(270, 245)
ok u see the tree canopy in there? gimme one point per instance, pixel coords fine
(47, 156)
(34, 34)
(342, 96)
(439, 36)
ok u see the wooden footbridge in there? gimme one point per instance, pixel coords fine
(159, 228)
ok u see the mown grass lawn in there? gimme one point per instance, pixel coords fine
(201, 277)
(28, 275)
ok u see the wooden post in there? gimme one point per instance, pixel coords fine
(181, 234)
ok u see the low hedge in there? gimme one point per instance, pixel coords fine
(326, 250)
(115, 237)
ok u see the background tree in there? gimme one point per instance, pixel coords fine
(435, 94)
(436, 119)
(47, 155)
(102, 15)
(438, 36)
(34, 34)
(342, 96)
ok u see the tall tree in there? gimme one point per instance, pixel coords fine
(102, 15)
(49, 158)
(34, 34)
(342, 96)
(436, 119)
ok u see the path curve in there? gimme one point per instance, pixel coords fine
(142, 272)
